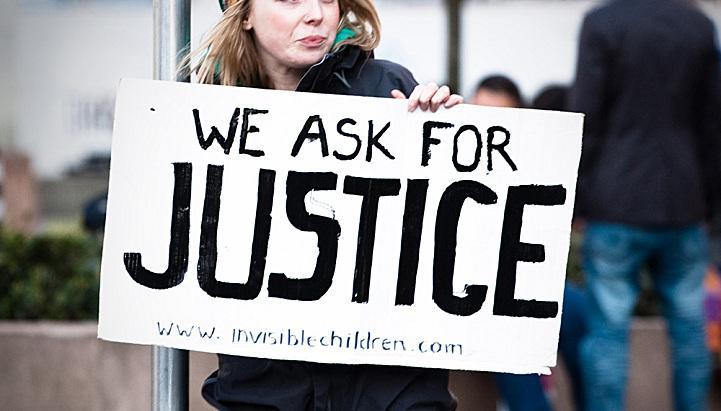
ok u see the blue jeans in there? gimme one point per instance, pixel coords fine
(522, 392)
(678, 259)
(574, 326)
(525, 392)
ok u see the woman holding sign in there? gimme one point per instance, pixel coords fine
(321, 46)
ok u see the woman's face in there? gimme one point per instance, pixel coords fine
(293, 34)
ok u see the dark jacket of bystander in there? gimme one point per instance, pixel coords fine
(649, 82)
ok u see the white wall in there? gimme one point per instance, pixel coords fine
(7, 77)
(68, 61)
(414, 34)
(67, 58)
(532, 42)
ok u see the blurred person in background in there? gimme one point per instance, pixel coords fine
(321, 46)
(94, 212)
(497, 91)
(649, 82)
(574, 318)
(526, 392)
(551, 97)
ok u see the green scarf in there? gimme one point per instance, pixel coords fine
(342, 35)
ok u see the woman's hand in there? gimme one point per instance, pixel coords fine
(429, 96)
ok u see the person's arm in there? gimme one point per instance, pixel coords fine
(591, 83)
(709, 127)
(589, 91)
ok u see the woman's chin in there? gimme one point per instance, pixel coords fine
(309, 56)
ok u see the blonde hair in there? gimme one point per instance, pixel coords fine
(229, 55)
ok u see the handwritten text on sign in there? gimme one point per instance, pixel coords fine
(337, 229)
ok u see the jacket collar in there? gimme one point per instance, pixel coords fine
(333, 64)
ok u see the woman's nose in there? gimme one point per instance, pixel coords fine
(313, 12)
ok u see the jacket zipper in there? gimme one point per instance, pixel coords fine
(325, 58)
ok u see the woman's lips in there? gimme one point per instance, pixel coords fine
(312, 41)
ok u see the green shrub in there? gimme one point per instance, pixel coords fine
(49, 276)
(56, 276)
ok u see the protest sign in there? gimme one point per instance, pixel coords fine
(337, 229)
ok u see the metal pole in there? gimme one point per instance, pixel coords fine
(171, 38)
(453, 10)
(170, 379)
(171, 41)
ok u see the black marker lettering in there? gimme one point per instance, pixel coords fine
(215, 134)
(479, 146)
(355, 137)
(179, 236)
(208, 252)
(444, 261)
(499, 147)
(512, 250)
(246, 129)
(328, 230)
(305, 134)
(411, 241)
(428, 127)
(372, 189)
(373, 141)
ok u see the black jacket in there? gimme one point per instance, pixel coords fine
(351, 71)
(261, 384)
(649, 81)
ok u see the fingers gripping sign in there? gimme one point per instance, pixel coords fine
(429, 97)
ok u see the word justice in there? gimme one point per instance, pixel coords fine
(327, 230)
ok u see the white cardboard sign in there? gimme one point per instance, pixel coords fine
(337, 229)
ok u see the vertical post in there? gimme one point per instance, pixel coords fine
(171, 40)
(170, 379)
(453, 11)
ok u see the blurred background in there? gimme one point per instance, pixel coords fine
(61, 63)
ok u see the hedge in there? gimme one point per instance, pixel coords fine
(49, 276)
